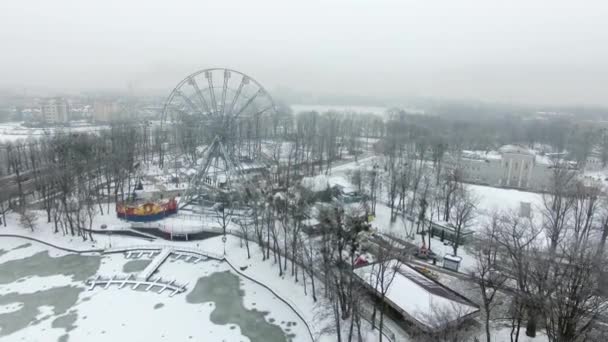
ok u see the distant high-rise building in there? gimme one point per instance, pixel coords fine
(105, 111)
(55, 110)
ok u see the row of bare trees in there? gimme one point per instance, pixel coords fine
(552, 267)
(73, 177)
(321, 260)
(413, 180)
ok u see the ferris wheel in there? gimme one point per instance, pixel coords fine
(219, 119)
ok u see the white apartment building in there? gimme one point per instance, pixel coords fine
(55, 110)
(105, 111)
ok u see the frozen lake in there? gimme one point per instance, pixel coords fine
(43, 297)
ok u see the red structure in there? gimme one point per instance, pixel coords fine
(148, 211)
(361, 261)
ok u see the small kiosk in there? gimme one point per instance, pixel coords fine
(451, 262)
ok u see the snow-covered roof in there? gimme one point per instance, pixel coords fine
(418, 296)
(316, 183)
(481, 155)
(322, 182)
(515, 149)
(452, 258)
(540, 159)
(342, 182)
(181, 228)
(311, 222)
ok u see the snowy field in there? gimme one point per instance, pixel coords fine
(14, 131)
(597, 177)
(491, 199)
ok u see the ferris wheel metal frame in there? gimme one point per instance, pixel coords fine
(219, 118)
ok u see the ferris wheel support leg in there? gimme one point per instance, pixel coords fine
(196, 179)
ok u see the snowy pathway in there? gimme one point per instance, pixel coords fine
(155, 264)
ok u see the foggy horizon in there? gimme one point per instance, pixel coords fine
(304, 171)
(545, 53)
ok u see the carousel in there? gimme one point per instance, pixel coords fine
(146, 211)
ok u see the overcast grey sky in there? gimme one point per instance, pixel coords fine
(522, 51)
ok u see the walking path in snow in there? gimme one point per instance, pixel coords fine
(155, 264)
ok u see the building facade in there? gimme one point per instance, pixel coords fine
(105, 111)
(511, 166)
(55, 110)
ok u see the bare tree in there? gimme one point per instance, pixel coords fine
(452, 182)
(382, 275)
(487, 272)
(463, 213)
(603, 233)
(518, 238)
(374, 187)
(356, 178)
(418, 170)
(569, 296)
(4, 206)
(28, 219)
(557, 203)
(568, 278)
(15, 164)
(245, 227)
(438, 149)
(224, 209)
(306, 246)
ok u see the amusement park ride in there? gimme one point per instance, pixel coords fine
(218, 119)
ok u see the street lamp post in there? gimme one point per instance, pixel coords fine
(105, 228)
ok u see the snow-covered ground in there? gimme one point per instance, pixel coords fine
(178, 324)
(135, 315)
(13, 131)
(491, 199)
(157, 317)
(265, 272)
(503, 334)
(322, 182)
(283, 150)
(599, 177)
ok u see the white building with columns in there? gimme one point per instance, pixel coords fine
(511, 166)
